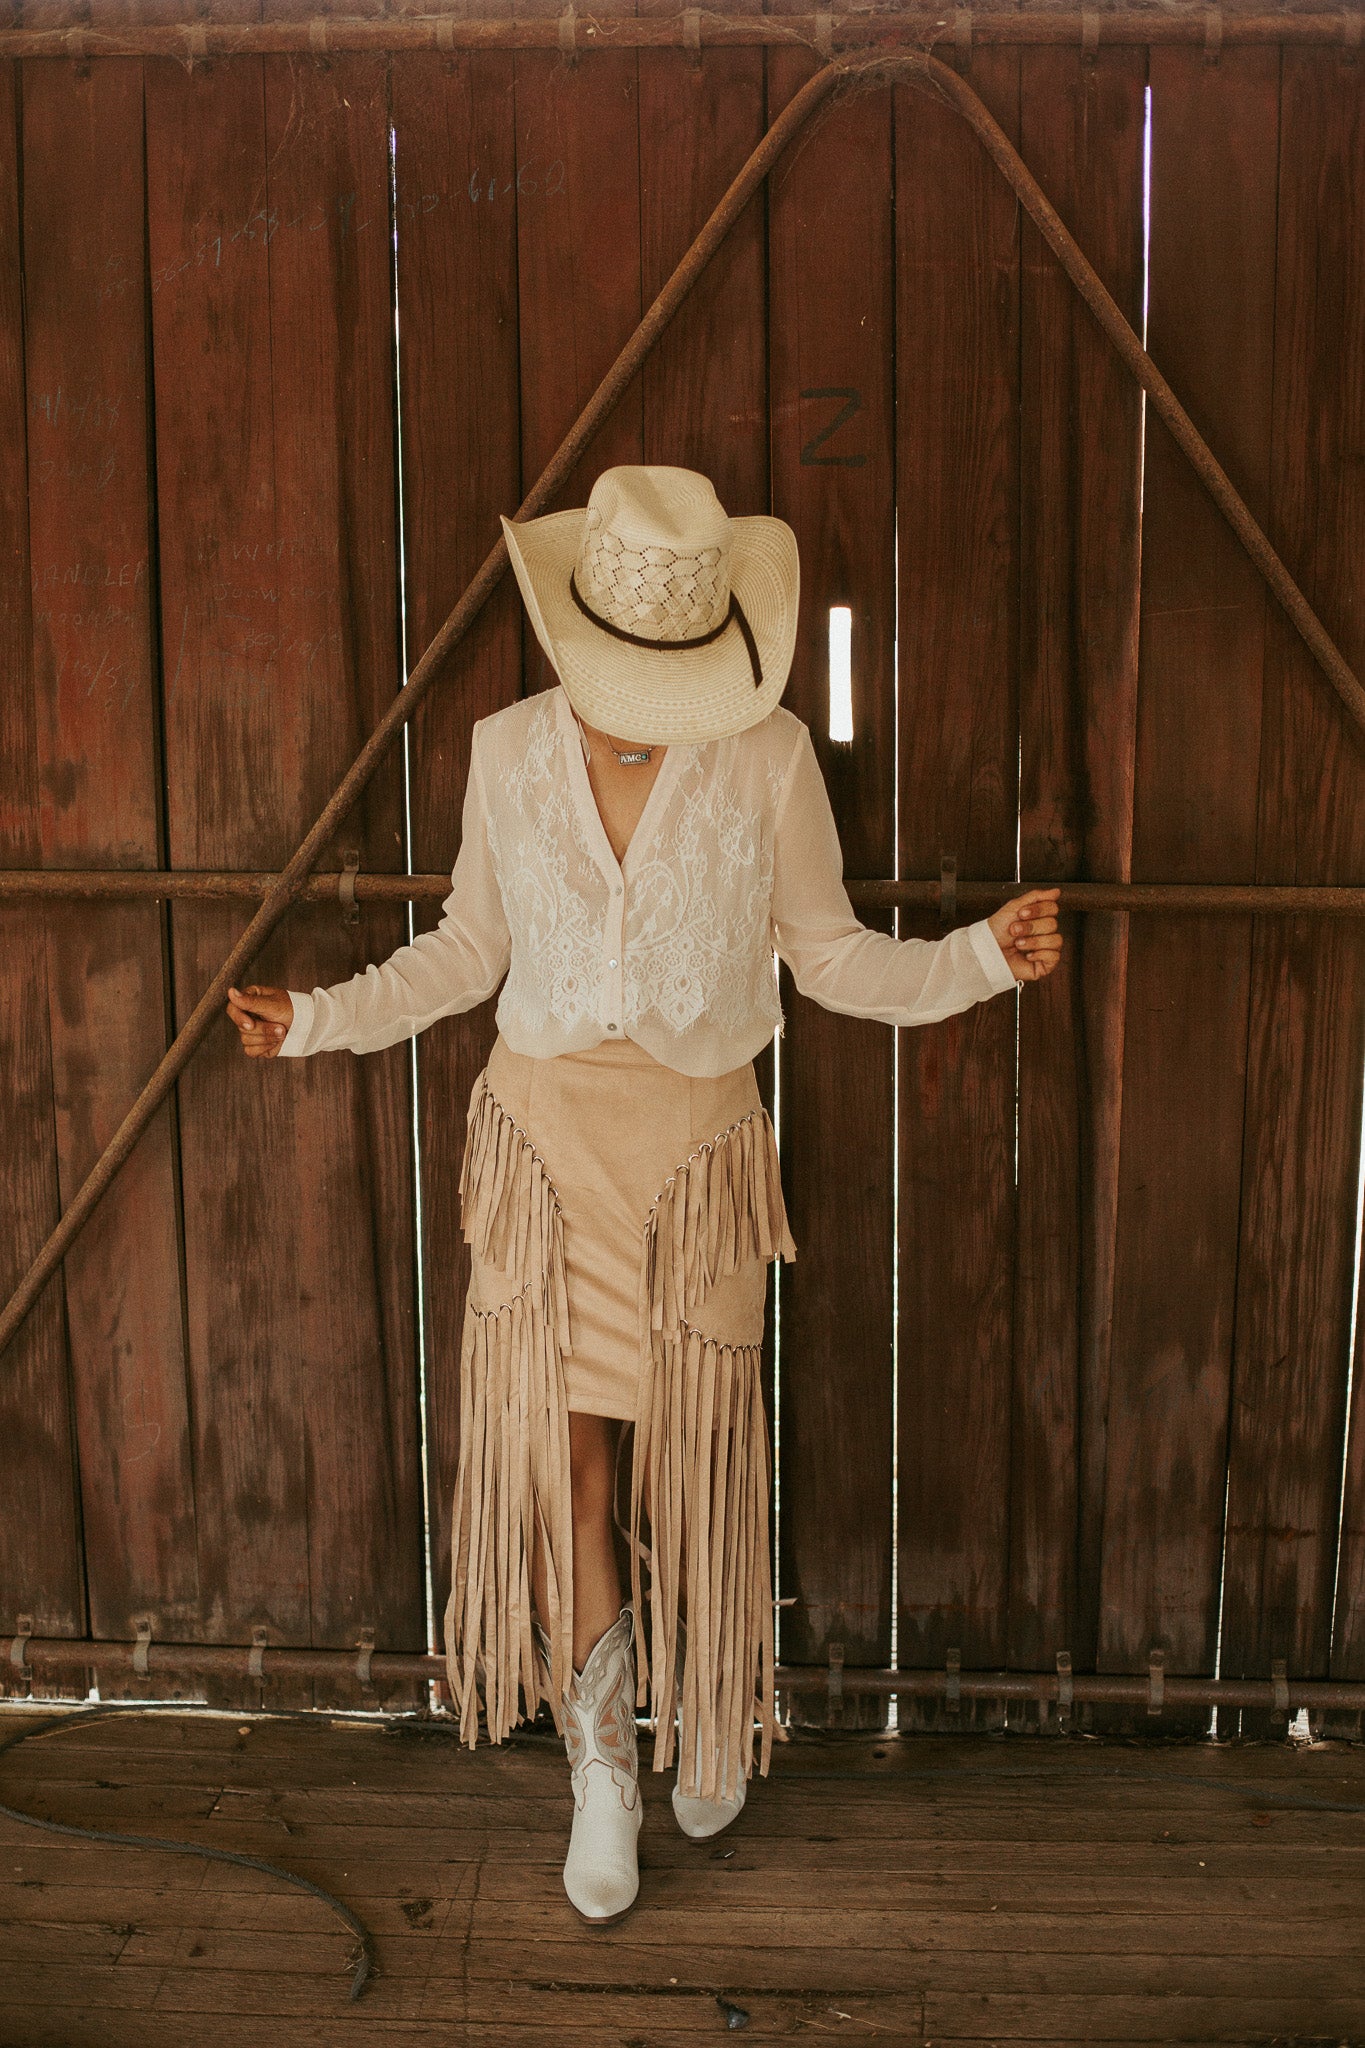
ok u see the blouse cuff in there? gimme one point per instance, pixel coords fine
(295, 1038)
(994, 965)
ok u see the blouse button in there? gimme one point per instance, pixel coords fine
(611, 1027)
(616, 890)
(611, 963)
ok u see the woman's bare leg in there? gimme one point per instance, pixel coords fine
(596, 1580)
(601, 1870)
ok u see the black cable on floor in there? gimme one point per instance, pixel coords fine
(69, 1718)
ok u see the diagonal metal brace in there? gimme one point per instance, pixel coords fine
(925, 73)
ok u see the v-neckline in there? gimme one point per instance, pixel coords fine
(582, 788)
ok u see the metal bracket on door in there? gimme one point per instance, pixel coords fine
(1156, 1681)
(1065, 1692)
(18, 1649)
(947, 888)
(142, 1623)
(350, 909)
(1280, 1680)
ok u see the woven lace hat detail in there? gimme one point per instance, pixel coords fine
(655, 556)
(654, 562)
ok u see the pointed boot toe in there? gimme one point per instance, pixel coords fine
(599, 1894)
(699, 1818)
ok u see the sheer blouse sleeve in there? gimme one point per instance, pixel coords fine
(836, 960)
(451, 968)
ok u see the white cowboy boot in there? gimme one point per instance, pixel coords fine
(601, 1872)
(699, 1817)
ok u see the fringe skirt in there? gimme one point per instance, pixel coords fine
(621, 1218)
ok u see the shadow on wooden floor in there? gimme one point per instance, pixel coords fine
(917, 1889)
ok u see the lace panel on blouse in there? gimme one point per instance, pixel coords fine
(697, 903)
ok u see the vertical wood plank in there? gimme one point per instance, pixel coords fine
(1080, 484)
(705, 385)
(831, 314)
(96, 693)
(1210, 328)
(957, 400)
(1307, 1041)
(269, 242)
(456, 175)
(578, 258)
(40, 1534)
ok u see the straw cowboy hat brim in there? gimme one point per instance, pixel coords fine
(678, 693)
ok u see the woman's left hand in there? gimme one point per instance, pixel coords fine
(1027, 934)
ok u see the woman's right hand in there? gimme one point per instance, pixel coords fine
(262, 1016)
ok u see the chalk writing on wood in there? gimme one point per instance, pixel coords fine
(90, 575)
(852, 403)
(261, 226)
(527, 184)
(73, 412)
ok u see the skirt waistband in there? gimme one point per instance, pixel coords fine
(610, 1051)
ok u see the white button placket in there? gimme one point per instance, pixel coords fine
(613, 950)
(613, 931)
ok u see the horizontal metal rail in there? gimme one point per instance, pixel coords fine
(878, 893)
(26, 1656)
(691, 29)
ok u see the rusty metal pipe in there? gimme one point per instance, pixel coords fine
(873, 893)
(329, 34)
(1106, 311)
(914, 68)
(1173, 898)
(52, 1654)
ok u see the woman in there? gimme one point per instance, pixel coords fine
(636, 843)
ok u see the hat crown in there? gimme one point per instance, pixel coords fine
(655, 554)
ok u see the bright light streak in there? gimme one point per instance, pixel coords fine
(840, 672)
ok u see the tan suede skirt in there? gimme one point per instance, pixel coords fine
(621, 1217)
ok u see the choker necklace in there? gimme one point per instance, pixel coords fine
(629, 759)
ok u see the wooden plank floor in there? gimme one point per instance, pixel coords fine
(922, 1889)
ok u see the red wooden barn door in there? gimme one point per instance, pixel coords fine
(1063, 1362)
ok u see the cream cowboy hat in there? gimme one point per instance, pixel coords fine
(664, 618)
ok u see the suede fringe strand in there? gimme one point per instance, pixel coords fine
(513, 1474)
(701, 1435)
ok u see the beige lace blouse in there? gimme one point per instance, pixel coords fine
(736, 856)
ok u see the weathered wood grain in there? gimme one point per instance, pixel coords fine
(1295, 1278)
(96, 697)
(827, 1899)
(957, 457)
(1211, 326)
(578, 259)
(705, 386)
(831, 296)
(269, 256)
(1080, 485)
(41, 1561)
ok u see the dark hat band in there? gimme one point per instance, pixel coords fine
(734, 616)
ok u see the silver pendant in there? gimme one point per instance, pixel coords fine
(628, 760)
